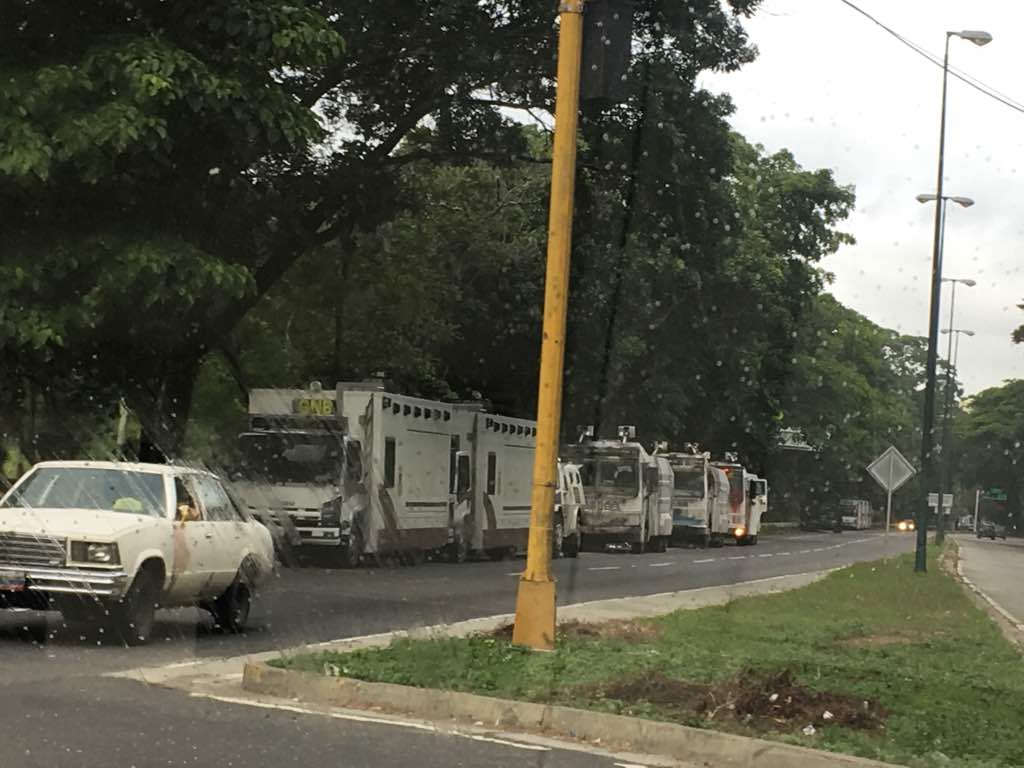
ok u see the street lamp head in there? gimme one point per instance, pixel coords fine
(924, 197)
(967, 333)
(969, 283)
(962, 280)
(976, 36)
(966, 202)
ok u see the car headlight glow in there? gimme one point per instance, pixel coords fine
(92, 552)
(740, 532)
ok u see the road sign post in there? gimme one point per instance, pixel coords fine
(890, 470)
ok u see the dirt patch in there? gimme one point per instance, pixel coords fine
(629, 631)
(625, 630)
(763, 703)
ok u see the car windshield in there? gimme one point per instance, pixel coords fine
(76, 488)
(618, 474)
(689, 479)
(292, 457)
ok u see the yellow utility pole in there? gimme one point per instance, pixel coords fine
(535, 602)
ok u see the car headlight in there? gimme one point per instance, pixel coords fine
(91, 552)
(740, 532)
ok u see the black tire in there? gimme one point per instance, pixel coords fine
(557, 540)
(661, 544)
(705, 541)
(571, 546)
(716, 541)
(752, 540)
(231, 610)
(351, 551)
(134, 614)
(497, 554)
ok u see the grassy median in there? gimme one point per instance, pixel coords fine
(873, 660)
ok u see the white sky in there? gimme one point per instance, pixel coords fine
(841, 93)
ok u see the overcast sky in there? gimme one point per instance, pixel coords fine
(839, 92)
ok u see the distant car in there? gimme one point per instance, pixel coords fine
(110, 541)
(905, 525)
(989, 530)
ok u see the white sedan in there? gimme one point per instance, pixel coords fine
(114, 541)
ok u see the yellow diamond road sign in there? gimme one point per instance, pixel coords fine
(891, 469)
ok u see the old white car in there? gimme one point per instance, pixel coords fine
(114, 541)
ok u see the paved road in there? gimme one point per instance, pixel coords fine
(996, 568)
(57, 709)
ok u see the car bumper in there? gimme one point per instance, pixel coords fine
(67, 581)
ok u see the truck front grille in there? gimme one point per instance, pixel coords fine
(28, 549)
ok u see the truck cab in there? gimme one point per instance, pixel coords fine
(628, 492)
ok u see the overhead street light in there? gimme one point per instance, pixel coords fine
(926, 197)
(978, 37)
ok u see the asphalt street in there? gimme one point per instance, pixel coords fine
(57, 708)
(995, 567)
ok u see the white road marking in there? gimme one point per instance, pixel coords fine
(767, 554)
(818, 549)
(660, 565)
(517, 573)
(805, 551)
(783, 554)
(367, 719)
(607, 568)
(628, 765)
(705, 560)
(738, 557)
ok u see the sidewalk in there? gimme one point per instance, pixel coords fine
(994, 569)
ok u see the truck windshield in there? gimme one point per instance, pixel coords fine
(112, 490)
(611, 473)
(689, 478)
(292, 457)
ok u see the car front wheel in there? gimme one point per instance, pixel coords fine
(134, 615)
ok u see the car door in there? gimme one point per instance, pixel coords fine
(194, 547)
(228, 535)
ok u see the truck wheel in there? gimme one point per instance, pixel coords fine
(705, 541)
(498, 554)
(231, 610)
(351, 550)
(134, 615)
(752, 540)
(557, 540)
(661, 544)
(571, 546)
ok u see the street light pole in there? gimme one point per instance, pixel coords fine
(940, 526)
(946, 467)
(928, 420)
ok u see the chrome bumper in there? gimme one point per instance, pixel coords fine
(70, 581)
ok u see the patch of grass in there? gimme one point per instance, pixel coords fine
(949, 684)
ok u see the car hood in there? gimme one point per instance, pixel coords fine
(83, 524)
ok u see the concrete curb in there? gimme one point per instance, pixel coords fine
(712, 748)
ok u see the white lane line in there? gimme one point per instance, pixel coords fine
(783, 554)
(767, 554)
(738, 557)
(606, 568)
(805, 551)
(517, 573)
(705, 560)
(367, 719)
(660, 565)
(818, 549)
